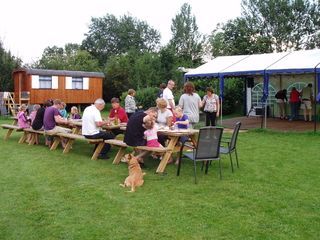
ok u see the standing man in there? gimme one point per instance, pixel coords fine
(91, 124)
(307, 98)
(168, 96)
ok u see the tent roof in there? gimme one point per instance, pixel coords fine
(254, 64)
(213, 67)
(273, 63)
(298, 62)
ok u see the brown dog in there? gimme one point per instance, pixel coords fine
(135, 178)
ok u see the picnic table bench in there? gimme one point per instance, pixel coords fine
(123, 146)
(71, 137)
(33, 135)
(10, 128)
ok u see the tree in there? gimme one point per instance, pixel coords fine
(186, 40)
(131, 70)
(71, 57)
(109, 36)
(8, 63)
(287, 24)
(236, 37)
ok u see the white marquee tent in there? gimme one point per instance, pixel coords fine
(295, 62)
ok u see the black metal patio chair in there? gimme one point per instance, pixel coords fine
(231, 144)
(206, 150)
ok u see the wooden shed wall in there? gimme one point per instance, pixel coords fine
(67, 95)
(38, 96)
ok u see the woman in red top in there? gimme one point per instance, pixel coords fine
(294, 103)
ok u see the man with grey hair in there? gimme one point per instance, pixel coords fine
(168, 96)
(92, 122)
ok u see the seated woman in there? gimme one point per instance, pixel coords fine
(164, 118)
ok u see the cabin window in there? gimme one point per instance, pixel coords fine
(45, 82)
(77, 83)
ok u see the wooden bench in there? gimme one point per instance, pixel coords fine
(33, 135)
(10, 129)
(123, 146)
(71, 137)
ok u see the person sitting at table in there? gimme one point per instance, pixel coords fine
(74, 113)
(37, 123)
(33, 114)
(182, 122)
(63, 111)
(164, 119)
(150, 133)
(51, 120)
(117, 115)
(23, 119)
(91, 124)
(134, 135)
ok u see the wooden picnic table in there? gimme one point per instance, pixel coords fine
(77, 125)
(174, 136)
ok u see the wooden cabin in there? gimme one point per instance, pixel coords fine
(34, 86)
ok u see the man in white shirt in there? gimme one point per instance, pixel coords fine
(168, 96)
(91, 124)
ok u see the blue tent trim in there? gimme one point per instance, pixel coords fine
(290, 71)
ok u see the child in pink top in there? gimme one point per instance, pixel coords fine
(32, 115)
(151, 134)
(23, 121)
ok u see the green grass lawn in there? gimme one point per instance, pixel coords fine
(274, 194)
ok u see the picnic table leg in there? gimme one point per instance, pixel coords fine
(97, 151)
(119, 155)
(6, 137)
(23, 137)
(32, 139)
(55, 143)
(172, 143)
(68, 146)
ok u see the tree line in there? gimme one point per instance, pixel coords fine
(129, 52)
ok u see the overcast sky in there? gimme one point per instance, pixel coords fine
(29, 26)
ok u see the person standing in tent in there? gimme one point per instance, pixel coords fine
(307, 98)
(294, 103)
(281, 97)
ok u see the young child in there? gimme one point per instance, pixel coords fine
(33, 114)
(23, 121)
(74, 113)
(182, 121)
(151, 136)
(151, 133)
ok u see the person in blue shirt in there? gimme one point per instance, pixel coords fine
(63, 111)
(182, 122)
